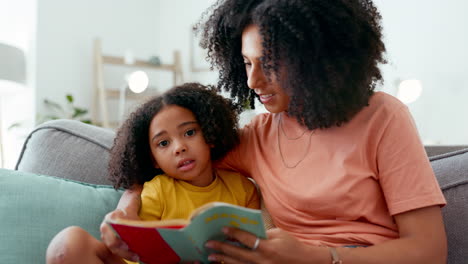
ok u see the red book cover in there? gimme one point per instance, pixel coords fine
(149, 244)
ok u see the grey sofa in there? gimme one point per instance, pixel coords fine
(79, 152)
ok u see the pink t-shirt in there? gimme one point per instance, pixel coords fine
(349, 180)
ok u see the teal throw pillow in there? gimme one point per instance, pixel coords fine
(34, 208)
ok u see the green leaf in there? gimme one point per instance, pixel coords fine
(79, 112)
(70, 98)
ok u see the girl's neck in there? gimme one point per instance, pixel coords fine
(203, 180)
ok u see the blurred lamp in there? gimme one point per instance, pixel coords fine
(409, 90)
(137, 82)
(12, 79)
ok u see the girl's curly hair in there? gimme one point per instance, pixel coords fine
(130, 156)
(330, 49)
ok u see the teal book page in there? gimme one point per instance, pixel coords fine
(208, 224)
(180, 242)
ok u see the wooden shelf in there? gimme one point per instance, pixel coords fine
(138, 63)
(115, 94)
(102, 94)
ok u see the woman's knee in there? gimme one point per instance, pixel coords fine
(70, 245)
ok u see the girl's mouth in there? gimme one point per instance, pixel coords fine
(186, 165)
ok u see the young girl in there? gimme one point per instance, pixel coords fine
(168, 144)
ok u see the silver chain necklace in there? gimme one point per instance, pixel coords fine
(281, 152)
(284, 133)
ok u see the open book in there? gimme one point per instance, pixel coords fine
(172, 241)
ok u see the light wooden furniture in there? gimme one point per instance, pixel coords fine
(102, 94)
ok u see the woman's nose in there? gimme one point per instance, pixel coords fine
(256, 78)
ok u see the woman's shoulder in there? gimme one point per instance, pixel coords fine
(385, 100)
(382, 106)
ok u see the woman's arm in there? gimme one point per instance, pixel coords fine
(422, 240)
(128, 207)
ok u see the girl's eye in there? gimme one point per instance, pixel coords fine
(163, 143)
(190, 132)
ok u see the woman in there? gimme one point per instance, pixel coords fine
(341, 168)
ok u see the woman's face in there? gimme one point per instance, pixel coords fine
(270, 92)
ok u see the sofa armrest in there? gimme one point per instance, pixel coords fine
(451, 170)
(68, 149)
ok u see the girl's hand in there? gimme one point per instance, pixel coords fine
(113, 243)
(280, 247)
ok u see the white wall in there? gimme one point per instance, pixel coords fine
(428, 40)
(17, 27)
(66, 30)
(175, 21)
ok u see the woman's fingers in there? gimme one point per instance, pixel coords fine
(227, 251)
(248, 239)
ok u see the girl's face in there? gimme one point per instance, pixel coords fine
(270, 92)
(178, 146)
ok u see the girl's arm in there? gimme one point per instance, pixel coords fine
(130, 201)
(422, 240)
(128, 207)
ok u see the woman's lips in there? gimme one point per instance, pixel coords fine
(265, 98)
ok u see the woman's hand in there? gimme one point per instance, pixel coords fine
(127, 208)
(280, 247)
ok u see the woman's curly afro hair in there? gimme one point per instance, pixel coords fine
(330, 50)
(130, 156)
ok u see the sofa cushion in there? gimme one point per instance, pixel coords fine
(34, 208)
(451, 170)
(69, 149)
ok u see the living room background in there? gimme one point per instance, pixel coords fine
(425, 41)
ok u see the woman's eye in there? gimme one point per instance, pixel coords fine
(163, 143)
(190, 132)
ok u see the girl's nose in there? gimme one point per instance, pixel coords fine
(180, 148)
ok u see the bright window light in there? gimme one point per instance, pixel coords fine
(138, 81)
(409, 91)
